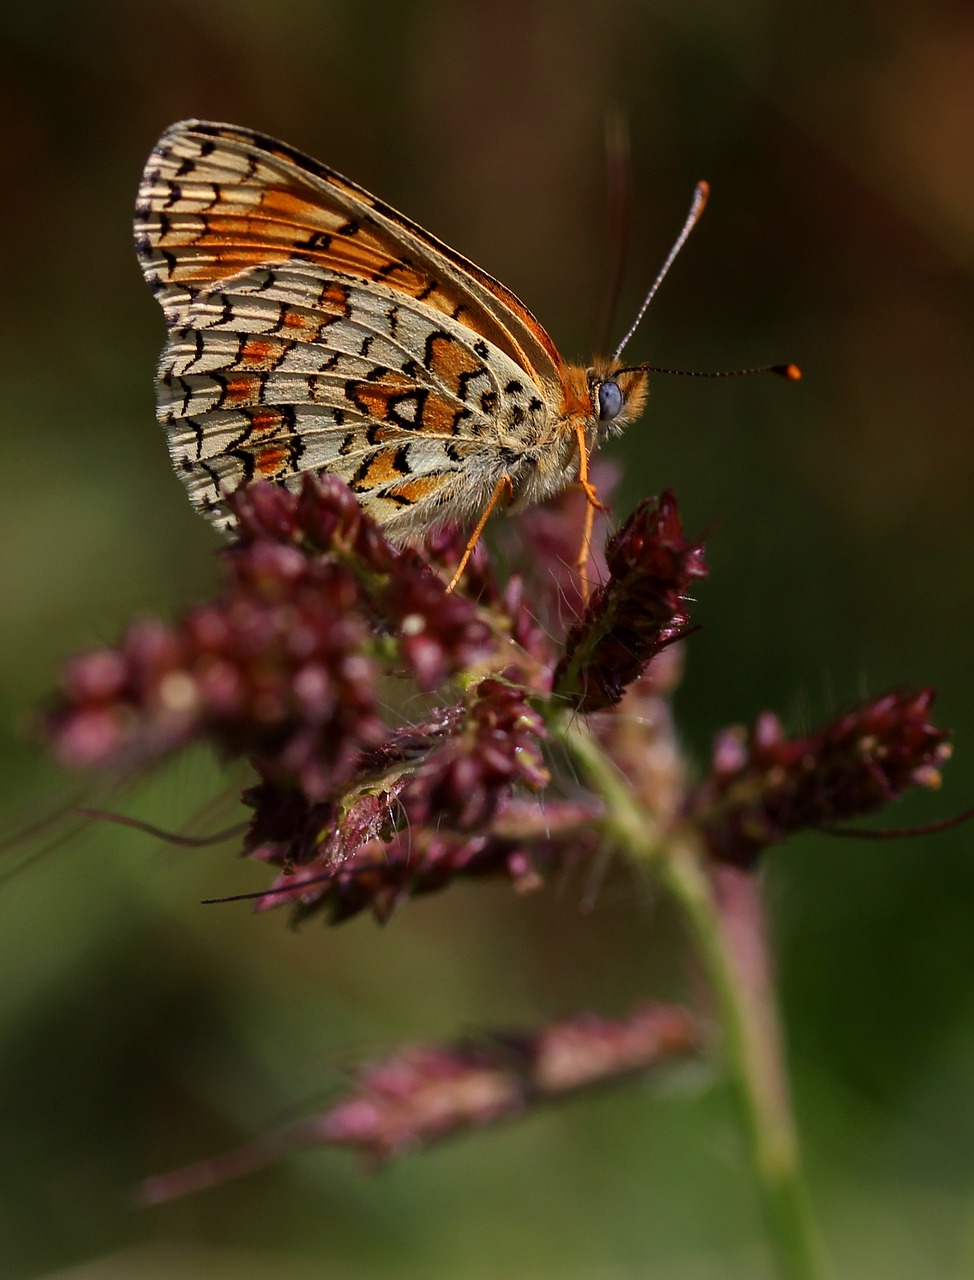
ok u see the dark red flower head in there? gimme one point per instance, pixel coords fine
(639, 610)
(765, 785)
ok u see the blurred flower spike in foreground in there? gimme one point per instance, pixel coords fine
(403, 737)
(425, 1093)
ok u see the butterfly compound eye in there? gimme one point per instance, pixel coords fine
(610, 401)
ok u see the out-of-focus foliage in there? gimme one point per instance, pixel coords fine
(139, 1030)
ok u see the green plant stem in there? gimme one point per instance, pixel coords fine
(723, 911)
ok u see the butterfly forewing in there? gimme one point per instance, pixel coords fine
(216, 200)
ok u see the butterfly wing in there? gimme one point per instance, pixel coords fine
(285, 285)
(282, 369)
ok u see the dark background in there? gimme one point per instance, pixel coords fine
(140, 1030)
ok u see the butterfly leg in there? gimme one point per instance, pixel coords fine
(503, 493)
(594, 504)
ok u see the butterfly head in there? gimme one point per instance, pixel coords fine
(613, 396)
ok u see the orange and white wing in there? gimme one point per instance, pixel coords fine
(311, 326)
(286, 369)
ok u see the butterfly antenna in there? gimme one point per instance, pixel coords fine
(697, 205)
(618, 181)
(790, 371)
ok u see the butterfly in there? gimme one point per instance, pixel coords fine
(313, 328)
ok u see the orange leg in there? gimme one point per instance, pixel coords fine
(593, 505)
(503, 490)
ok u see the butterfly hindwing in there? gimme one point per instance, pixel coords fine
(284, 369)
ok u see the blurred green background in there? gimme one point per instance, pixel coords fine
(140, 1030)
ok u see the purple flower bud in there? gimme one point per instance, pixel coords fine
(279, 668)
(354, 862)
(637, 612)
(423, 1094)
(765, 785)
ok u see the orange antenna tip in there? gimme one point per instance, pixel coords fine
(789, 371)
